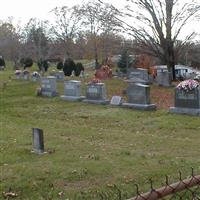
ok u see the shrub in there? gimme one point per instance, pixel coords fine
(59, 65)
(43, 65)
(2, 61)
(69, 67)
(26, 62)
(79, 67)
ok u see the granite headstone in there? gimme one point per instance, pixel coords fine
(48, 86)
(72, 91)
(187, 102)
(139, 97)
(96, 93)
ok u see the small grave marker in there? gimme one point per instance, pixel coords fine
(116, 101)
(38, 140)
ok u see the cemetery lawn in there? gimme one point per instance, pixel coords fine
(92, 150)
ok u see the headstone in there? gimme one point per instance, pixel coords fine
(18, 74)
(38, 140)
(48, 86)
(139, 97)
(139, 75)
(2, 67)
(96, 93)
(116, 101)
(187, 102)
(163, 78)
(58, 74)
(72, 91)
(25, 75)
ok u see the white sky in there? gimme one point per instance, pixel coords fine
(23, 10)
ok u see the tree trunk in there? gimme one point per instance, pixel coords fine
(96, 54)
(170, 58)
(169, 44)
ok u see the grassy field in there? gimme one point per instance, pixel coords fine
(93, 150)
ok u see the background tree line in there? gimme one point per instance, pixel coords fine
(95, 30)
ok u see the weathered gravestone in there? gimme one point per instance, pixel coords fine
(48, 86)
(116, 101)
(72, 91)
(58, 74)
(96, 93)
(25, 75)
(139, 75)
(139, 97)
(163, 78)
(37, 140)
(187, 102)
(18, 74)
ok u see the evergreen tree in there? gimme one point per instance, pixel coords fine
(124, 62)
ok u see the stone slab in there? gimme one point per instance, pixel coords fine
(186, 111)
(49, 94)
(102, 102)
(72, 98)
(140, 106)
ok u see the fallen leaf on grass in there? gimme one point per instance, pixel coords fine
(9, 194)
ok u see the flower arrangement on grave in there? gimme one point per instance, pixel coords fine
(95, 81)
(104, 72)
(18, 72)
(35, 74)
(187, 85)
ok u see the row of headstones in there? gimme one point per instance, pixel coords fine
(163, 77)
(35, 76)
(138, 96)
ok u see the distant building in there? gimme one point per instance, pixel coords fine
(182, 72)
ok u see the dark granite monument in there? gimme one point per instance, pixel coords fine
(139, 97)
(38, 141)
(187, 102)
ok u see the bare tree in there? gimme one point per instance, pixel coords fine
(36, 39)
(9, 40)
(67, 24)
(158, 25)
(100, 19)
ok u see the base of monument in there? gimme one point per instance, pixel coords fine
(140, 106)
(101, 102)
(186, 111)
(72, 98)
(39, 152)
(49, 94)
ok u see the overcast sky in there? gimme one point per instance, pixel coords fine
(23, 10)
